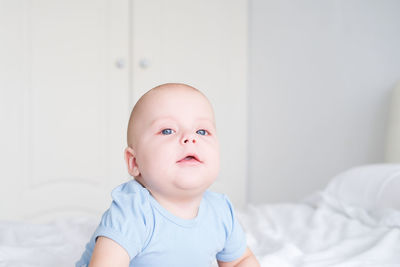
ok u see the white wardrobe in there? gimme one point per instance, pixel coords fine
(70, 71)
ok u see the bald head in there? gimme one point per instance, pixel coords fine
(155, 98)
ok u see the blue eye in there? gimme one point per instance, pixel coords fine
(202, 132)
(167, 131)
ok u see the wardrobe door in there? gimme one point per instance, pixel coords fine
(64, 106)
(202, 43)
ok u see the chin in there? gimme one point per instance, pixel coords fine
(197, 184)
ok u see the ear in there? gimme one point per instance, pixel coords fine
(130, 159)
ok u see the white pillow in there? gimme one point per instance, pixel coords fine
(370, 186)
(369, 193)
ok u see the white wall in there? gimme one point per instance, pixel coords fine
(320, 78)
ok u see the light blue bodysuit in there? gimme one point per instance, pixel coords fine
(153, 236)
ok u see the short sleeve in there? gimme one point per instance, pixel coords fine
(235, 244)
(127, 221)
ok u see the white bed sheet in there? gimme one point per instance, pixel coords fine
(59, 243)
(280, 235)
(317, 236)
(332, 228)
(354, 221)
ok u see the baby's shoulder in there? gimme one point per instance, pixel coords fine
(132, 199)
(129, 220)
(220, 203)
(130, 189)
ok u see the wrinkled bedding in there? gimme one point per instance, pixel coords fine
(329, 228)
(316, 236)
(354, 221)
(59, 243)
(280, 235)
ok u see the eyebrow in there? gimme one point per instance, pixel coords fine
(155, 121)
(170, 118)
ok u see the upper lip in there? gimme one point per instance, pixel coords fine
(192, 155)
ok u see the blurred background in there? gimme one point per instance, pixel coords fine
(301, 91)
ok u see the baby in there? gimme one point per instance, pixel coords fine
(166, 216)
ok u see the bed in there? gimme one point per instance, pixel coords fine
(353, 222)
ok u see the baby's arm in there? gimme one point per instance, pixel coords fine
(108, 253)
(246, 260)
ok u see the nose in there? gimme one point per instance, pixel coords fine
(187, 139)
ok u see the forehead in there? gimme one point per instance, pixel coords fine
(176, 103)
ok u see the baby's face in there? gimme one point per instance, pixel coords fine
(176, 145)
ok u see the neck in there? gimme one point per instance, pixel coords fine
(185, 208)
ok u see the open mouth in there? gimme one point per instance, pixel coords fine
(190, 158)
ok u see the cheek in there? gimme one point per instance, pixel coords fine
(213, 155)
(214, 149)
(157, 156)
(216, 163)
